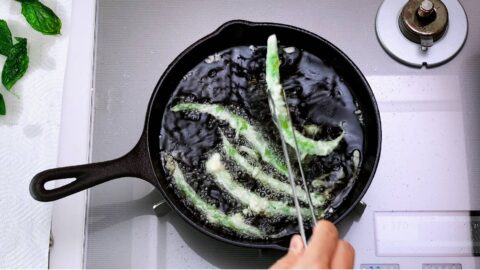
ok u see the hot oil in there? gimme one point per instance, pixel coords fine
(320, 103)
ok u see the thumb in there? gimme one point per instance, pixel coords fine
(294, 251)
(296, 245)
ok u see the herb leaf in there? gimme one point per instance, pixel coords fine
(5, 38)
(16, 64)
(41, 17)
(3, 109)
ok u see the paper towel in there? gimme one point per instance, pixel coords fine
(29, 138)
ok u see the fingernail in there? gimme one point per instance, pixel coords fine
(296, 244)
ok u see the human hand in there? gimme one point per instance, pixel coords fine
(324, 250)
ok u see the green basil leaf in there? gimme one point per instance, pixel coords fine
(5, 38)
(16, 64)
(22, 1)
(3, 109)
(41, 17)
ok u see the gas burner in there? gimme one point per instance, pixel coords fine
(422, 32)
(424, 21)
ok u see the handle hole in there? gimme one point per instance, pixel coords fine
(58, 183)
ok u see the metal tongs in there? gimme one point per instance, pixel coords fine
(291, 175)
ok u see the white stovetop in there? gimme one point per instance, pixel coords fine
(397, 101)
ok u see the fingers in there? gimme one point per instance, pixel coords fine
(324, 250)
(322, 246)
(296, 245)
(344, 256)
(294, 251)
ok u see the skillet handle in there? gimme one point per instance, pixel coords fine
(136, 163)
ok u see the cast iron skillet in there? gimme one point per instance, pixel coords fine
(143, 161)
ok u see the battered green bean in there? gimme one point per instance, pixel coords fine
(306, 145)
(253, 201)
(242, 127)
(267, 180)
(234, 222)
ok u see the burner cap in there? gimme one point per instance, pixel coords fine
(424, 21)
(406, 29)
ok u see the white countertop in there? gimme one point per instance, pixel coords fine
(68, 216)
(30, 137)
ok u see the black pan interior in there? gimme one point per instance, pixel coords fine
(242, 33)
